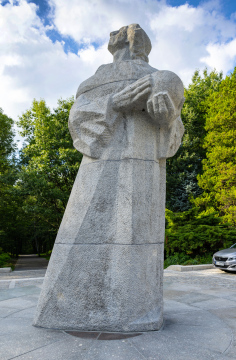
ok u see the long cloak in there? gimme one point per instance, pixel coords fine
(106, 268)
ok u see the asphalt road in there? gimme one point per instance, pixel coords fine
(30, 262)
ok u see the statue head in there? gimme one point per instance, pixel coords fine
(133, 40)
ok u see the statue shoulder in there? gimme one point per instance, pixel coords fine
(96, 80)
(168, 81)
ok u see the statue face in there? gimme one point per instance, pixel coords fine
(118, 39)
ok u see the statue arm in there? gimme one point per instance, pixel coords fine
(91, 124)
(162, 109)
(141, 95)
(133, 96)
(161, 94)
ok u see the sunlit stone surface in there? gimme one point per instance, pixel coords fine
(106, 267)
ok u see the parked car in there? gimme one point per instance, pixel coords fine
(225, 259)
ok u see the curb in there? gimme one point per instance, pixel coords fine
(189, 267)
(5, 270)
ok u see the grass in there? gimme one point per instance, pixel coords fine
(46, 255)
(6, 260)
(183, 259)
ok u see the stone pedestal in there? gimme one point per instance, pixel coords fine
(105, 272)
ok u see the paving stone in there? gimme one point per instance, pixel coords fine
(26, 313)
(66, 349)
(217, 338)
(192, 297)
(228, 315)
(189, 332)
(172, 294)
(230, 352)
(172, 306)
(5, 311)
(19, 337)
(161, 347)
(115, 350)
(229, 295)
(201, 318)
(17, 292)
(9, 325)
(22, 302)
(215, 304)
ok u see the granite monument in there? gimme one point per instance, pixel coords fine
(106, 268)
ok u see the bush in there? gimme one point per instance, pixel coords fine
(5, 259)
(46, 255)
(183, 259)
(194, 234)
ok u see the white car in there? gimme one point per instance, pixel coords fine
(225, 259)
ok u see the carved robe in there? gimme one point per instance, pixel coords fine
(106, 267)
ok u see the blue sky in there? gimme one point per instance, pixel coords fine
(48, 47)
(226, 7)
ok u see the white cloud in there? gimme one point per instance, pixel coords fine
(95, 19)
(183, 37)
(32, 66)
(221, 56)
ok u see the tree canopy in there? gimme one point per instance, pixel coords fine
(201, 177)
(197, 233)
(37, 186)
(49, 166)
(218, 179)
(8, 176)
(183, 168)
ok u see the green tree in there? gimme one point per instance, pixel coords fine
(219, 168)
(7, 146)
(49, 166)
(196, 233)
(9, 205)
(183, 168)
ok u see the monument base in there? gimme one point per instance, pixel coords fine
(108, 287)
(106, 268)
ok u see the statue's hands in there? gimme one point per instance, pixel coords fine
(162, 109)
(134, 95)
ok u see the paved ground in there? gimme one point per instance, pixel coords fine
(200, 323)
(30, 262)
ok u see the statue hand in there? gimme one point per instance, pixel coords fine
(162, 109)
(133, 94)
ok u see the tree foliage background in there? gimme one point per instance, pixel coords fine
(47, 166)
(209, 223)
(218, 179)
(36, 182)
(10, 223)
(184, 167)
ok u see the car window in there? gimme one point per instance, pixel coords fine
(233, 246)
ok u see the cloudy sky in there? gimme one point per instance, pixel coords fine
(48, 47)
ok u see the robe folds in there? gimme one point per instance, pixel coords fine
(106, 268)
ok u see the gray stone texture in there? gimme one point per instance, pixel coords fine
(106, 268)
(188, 333)
(110, 294)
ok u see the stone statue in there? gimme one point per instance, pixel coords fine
(106, 268)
